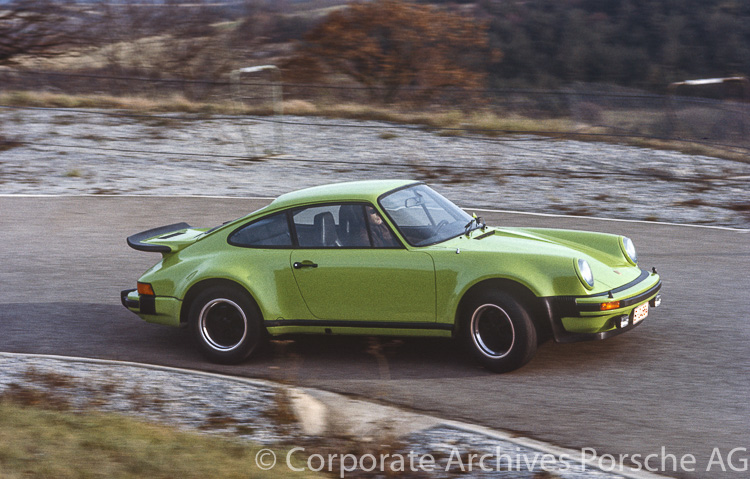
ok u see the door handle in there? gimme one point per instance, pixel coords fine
(304, 264)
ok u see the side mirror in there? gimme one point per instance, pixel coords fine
(413, 201)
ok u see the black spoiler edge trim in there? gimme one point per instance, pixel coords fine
(136, 241)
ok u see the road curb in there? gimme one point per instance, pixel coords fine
(547, 448)
(324, 413)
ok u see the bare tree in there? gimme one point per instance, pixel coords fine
(172, 39)
(33, 27)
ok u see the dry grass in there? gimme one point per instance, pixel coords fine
(127, 54)
(729, 153)
(42, 443)
(173, 103)
(451, 122)
(493, 125)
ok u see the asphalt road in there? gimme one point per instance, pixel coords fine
(678, 385)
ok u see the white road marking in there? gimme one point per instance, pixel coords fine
(485, 210)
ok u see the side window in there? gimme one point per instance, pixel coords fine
(342, 226)
(317, 226)
(272, 231)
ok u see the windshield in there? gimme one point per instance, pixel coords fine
(424, 217)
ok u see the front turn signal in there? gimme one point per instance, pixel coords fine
(145, 289)
(610, 305)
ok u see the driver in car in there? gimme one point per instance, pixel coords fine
(381, 235)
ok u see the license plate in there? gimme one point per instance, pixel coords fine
(640, 313)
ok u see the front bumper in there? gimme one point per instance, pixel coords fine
(581, 318)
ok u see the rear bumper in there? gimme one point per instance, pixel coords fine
(581, 318)
(129, 303)
(136, 303)
(154, 309)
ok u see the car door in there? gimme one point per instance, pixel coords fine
(349, 267)
(261, 260)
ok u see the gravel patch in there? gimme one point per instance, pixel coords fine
(94, 152)
(183, 400)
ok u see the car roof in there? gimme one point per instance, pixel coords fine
(368, 190)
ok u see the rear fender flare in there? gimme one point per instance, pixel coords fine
(195, 289)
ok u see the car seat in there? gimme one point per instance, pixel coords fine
(325, 230)
(352, 230)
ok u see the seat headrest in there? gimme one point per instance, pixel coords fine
(325, 226)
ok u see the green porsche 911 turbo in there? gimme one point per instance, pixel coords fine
(388, 258)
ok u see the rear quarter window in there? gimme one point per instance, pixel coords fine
(271, 231)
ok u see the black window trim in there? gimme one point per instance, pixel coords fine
(289, 213)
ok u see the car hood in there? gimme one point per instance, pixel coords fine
(602, 251)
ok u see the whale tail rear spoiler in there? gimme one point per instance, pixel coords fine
(164, 239)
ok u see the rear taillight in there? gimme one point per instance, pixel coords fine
(145, 289)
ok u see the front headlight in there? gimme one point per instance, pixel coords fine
(629, 249)
(585, 273)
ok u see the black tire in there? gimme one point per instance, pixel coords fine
(226, 324)
(498, 331)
